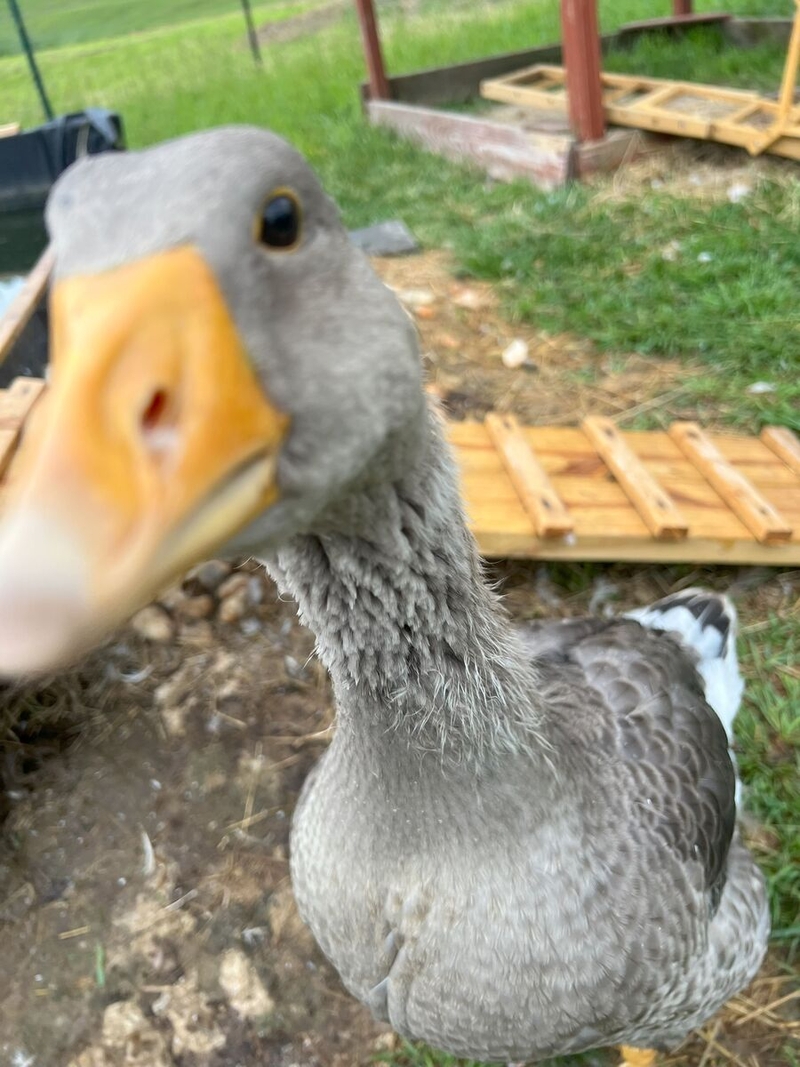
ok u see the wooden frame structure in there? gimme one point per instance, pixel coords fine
(730, 116)
(687, 109)
(581, 47)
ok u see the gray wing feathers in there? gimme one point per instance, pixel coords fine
(656, 716)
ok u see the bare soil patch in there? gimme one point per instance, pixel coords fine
(463, 334)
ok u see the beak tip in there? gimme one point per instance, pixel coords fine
(42, 602)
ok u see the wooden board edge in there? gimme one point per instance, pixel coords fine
(24, 304)
(783, 443)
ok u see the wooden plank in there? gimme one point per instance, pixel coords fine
(745, 112)
(9, 129)
(785, 445)
(547, 512)
(670, 23)
(654, 505)
(657, 97)
(15, 406)
(505, 151)
(22, 307)
(661, 121)
(765, 521)
(460, 82)
(524, 96)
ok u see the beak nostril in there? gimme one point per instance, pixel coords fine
(157, 422)
(154, 412)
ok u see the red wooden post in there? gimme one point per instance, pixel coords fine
(581, 47)
(681, 7)
(378, 82)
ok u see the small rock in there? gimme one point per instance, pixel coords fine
(293, 668)
(210, 575)
(230, 689)
(515, 354)
(255, 589)
(425, 313)
(192, 1017)
(447, 340)
(234, 584)
(416, 298)
(233, 607)
(705, 257)
(471, 299)
(242, 986)
(391, 238)
(120, 1020)
(90, 1057)
(387, 1042)
(153, 624)
(125, 1026)
(172, 598)
(757, 388)
(738, 191)
(198, 634)
(174, 720)
(196, 607)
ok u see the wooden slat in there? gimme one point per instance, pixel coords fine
(15, 406)
(9, 129)
(657, 97)
(22, 307)
(745, 112)
(654, 505)
(755, 511)
(785, 445)
(547, 512)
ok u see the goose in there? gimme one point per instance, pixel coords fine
(519, 843)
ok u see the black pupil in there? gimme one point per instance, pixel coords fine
(279, 222)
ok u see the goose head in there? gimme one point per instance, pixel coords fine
(224, 367)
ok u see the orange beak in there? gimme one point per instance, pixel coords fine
(153, 445)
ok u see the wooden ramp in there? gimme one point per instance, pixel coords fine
(709, 112)
(596, 493)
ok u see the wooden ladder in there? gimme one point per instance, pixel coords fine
(688, 109)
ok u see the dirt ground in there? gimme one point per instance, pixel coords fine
(145, 906)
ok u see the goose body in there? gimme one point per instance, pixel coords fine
(514, 848)
(517, 844)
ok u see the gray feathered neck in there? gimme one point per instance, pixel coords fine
(415, 642)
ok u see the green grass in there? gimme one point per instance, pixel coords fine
(768, 731)
(54, 25)
(577, 259)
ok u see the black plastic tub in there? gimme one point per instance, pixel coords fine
(30, 162)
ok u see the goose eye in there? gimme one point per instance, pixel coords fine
(279, 224)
